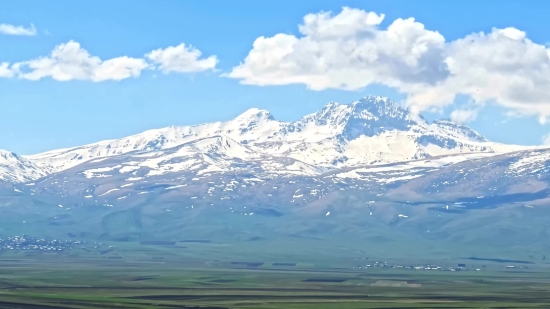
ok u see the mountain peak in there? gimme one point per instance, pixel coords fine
(255, 114)
(380, 107)
(8, 156)
(17, 169)
(371, 99)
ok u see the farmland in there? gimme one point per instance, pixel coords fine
(147, 280)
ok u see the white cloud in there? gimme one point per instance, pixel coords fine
(501, 66)
(17, 30)
(350, 51)
(182, 59)
(463, 115)
(5, 71)
(69, 61)
(347, 51)
(546, 139)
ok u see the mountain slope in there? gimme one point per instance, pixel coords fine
(187, 191)
(515, 176)
(14, 168)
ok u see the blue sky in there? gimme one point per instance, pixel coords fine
(43, 114)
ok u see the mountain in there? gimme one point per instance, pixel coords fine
(14, 168)
(475, 204)
(373, 130)
(369, 174)
(372, 144)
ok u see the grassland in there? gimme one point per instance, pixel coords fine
(158, 277)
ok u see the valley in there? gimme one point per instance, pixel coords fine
(180, 281)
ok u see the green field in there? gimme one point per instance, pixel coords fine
(158, 277)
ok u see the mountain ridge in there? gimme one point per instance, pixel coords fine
(372, 130)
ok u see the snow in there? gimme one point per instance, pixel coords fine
(532, 162)
(15, 168)
(98, 172)
(112, 190)
(365, 134)
(316, 139)
(175, 187)
(394, 179)
(128, 169)
(406, 170)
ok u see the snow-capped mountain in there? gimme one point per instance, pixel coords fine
(14, 168)
(361, 170)
(373, 130)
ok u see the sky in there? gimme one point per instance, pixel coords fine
(73, 73)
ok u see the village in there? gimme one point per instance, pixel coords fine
(376, 264)
(19, 243)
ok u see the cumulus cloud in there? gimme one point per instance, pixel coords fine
(17, 30)
(70, 61)
(182, 59)
(350, 51)
(347, 51)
